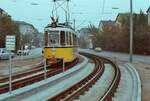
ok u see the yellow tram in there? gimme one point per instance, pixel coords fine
(60, 42)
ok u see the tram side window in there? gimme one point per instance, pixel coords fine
(62, 38)
(46, 38)
(70, 39)
(72, 43)
(67, 35)
(74, 40)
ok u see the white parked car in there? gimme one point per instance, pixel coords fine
(23, 52)
(4, 54)
(98, 49)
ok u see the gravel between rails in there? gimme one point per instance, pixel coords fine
(18, 65)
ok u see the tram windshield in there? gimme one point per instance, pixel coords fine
(54, 38)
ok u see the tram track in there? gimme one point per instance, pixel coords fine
(84, 85)
(24, 79)
(114, 84)
(130, 85)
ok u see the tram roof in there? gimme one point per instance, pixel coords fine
(59, 28)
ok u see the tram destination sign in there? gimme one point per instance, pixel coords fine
(10, 42)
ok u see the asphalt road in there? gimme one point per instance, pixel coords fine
(120, 56)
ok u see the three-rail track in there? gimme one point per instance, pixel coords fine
(78, 89)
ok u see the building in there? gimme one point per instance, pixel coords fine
(108, 23)
(29, 34)
(86, 37)
(84, 32)
(25, 27)
(126, 16)
(148, 15)
(119, 18)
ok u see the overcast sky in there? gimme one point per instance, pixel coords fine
(84, 11)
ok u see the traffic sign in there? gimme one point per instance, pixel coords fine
(10, 42)
(10, 45)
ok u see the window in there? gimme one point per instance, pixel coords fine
(46, 38)
(62, 38)
(54, 38)
(67, 35)
(70, 39)
(74, 39)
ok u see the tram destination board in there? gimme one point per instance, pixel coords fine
(10, 42)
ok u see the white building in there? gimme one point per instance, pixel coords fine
(30, 31)
(87, 37)
(26, 27)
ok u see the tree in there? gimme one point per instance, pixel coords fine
(96, 36)
(7, 27)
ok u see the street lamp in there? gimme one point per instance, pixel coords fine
(131, 31)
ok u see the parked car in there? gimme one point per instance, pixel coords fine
(23, 52)
(98, 49)
(4, 54)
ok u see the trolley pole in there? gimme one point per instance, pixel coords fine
(10, 73)
(45, 69)
(131, 31)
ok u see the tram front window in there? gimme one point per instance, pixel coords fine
(54, 38)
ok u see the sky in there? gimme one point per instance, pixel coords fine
(85, 12)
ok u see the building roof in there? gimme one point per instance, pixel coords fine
(125, 14)
(106, 22)
(148, 10)
(3, 12)
(1, 9)
(121, 14)
(25, 23)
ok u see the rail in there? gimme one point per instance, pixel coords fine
(31, 79)
(113, 87)
(78, 89)
(136, 87)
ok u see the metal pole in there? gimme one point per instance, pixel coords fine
(74, 24)
(63, 65)
(21, 54)
(45, 69)
(10, 73)
(131, 31)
